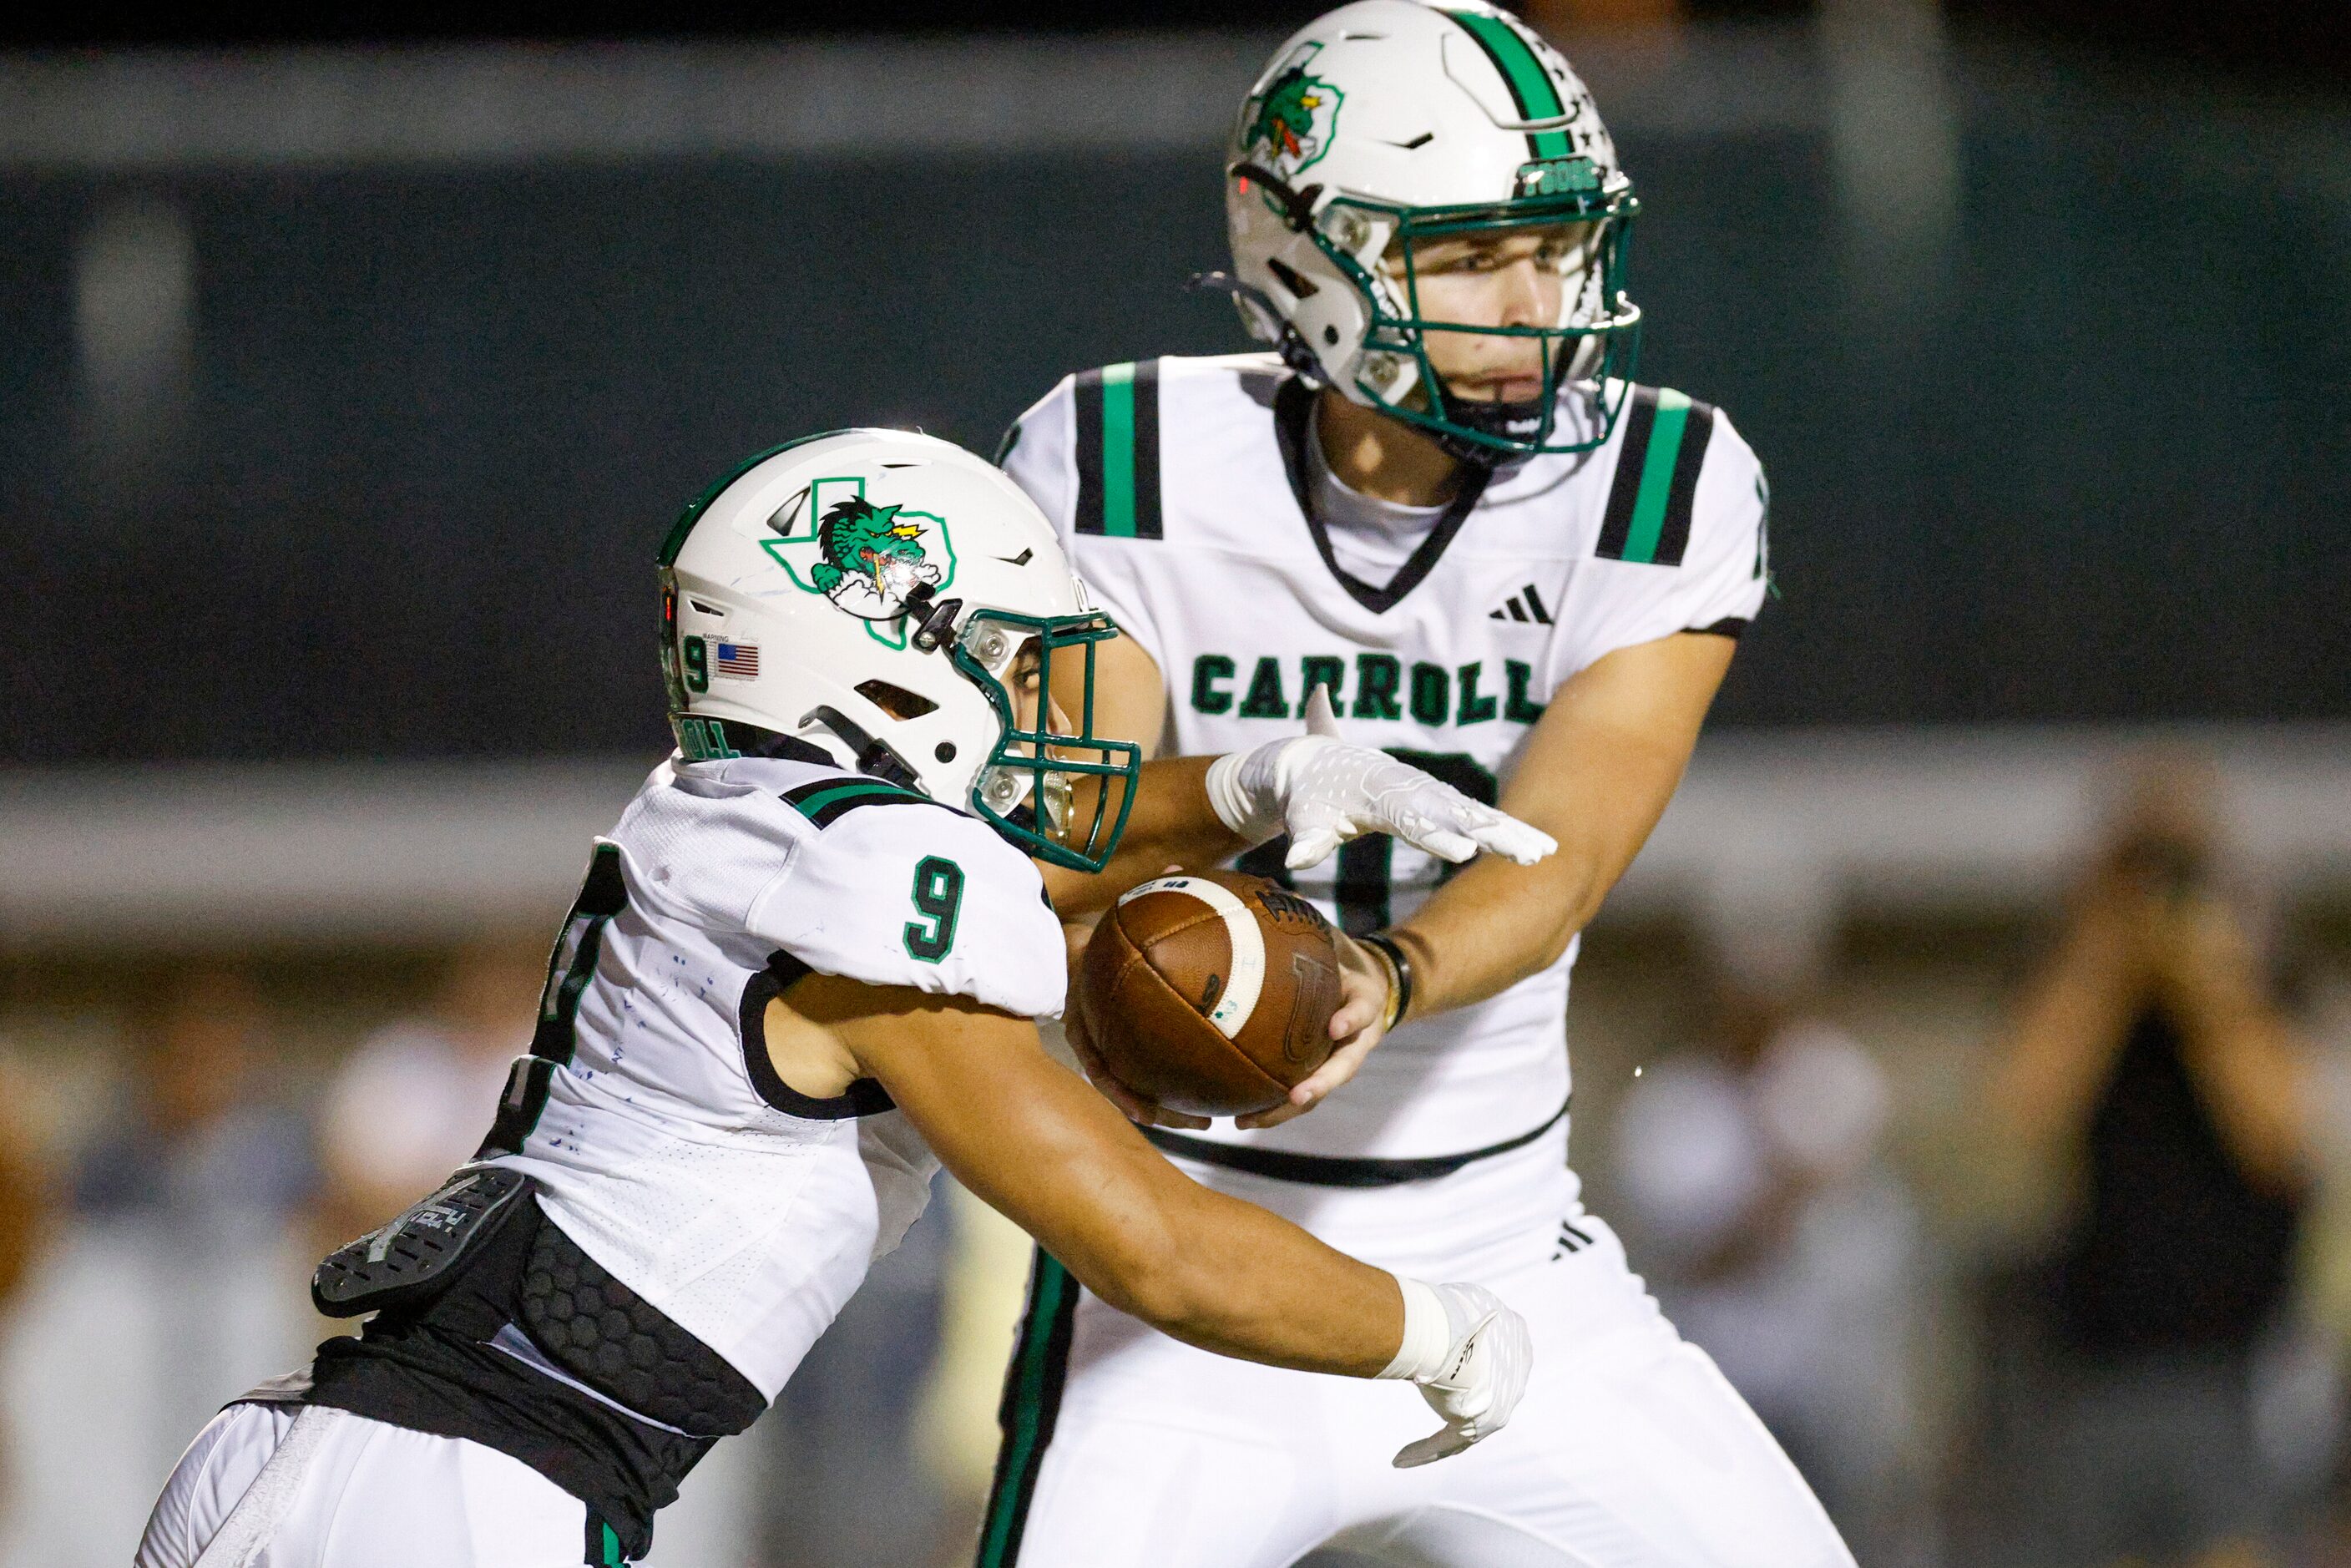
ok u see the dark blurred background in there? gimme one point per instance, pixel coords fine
(354, 361)
(339, 366)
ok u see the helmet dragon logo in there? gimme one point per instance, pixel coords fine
(1289, 124)
(864, 557)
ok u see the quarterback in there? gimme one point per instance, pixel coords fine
(1442, 508)
(799, 977)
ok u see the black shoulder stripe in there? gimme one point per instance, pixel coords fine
(1647, 520)
(1087, 405)
(1673, 538)
(1617, 523)
(1118, 451)
(826, 800)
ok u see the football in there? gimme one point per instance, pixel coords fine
(1211, 993)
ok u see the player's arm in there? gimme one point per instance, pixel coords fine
(1600, 767)
(930, 992)
(1035, 1144)
(1044, 1150)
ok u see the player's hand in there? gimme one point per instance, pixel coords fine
(1322, 791)
(1361, 1023)
(1482, 1378)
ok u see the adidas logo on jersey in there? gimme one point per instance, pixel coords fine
(1526, 604)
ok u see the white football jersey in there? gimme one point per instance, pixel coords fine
(665, 1144)
(1177, 485)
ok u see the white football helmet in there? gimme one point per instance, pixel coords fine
(871, 593)
(1389, 123)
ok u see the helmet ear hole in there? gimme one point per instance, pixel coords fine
(895, 700)
(1300, 285)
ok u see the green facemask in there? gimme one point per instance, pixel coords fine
(1598, 350)
(1064, 797)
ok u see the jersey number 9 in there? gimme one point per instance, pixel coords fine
(938, 897)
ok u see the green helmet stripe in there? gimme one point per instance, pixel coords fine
(1531, 85)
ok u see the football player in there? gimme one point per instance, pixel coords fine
(1441, 506)
(801, 975)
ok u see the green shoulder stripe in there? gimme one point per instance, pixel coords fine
(1118, 451)
(1658, 457)
(826, 802)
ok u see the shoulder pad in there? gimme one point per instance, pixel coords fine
(896, 890)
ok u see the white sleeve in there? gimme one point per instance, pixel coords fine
(1039, 454)
(1717, 585)
(701, 842)
(911, 894)
(1040, 457)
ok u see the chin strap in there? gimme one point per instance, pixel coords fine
(1299, 359)
(1490, 419)
(932, 624)
(874, 756)
(1293, 350)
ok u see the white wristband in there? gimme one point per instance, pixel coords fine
(1427, 1334)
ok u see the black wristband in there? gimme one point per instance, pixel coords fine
(1395, 951)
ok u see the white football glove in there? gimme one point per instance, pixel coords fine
(1470, 1355)
(1322, 791)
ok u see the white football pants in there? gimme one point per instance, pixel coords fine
(1630, 1449)
(368, 1495)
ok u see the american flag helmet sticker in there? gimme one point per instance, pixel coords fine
(740, 661)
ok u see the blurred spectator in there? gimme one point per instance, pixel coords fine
(21, 1202)
(848, 1480)
(2325, 1264)
(25, 1188)
(25, 1224)
(2149, 1058)
(414, 1099)
(175, 1283)
(193, 1143)
(1758, 1208)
